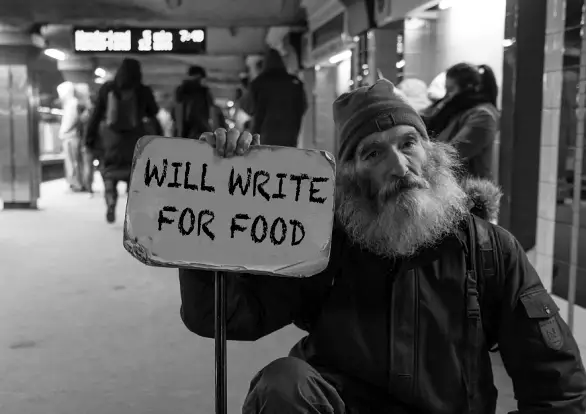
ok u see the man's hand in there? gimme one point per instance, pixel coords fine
(233, 142)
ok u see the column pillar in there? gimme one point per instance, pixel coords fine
(520, 146)
(307, 138)
(20, 169)
(385, 51)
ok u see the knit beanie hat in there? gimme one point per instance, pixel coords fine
(369, 109)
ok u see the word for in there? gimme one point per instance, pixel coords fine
(252, 183)
(260, 229)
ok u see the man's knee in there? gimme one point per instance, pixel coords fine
(291, 385)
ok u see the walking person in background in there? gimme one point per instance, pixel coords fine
(125, 109)
(468, 118)
(87, 157)
(70, 134)
(193, 105)
(276, 102)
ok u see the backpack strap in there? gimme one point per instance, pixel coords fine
(482, 263)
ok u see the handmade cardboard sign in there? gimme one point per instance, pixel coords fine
(268, 212)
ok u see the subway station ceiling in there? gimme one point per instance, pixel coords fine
(235, 29)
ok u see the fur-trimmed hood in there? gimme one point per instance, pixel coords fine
(484, 198)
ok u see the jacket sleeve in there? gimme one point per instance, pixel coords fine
(152, 109)
(256, 305)
(538, 349)
(247, 102)
(96, 116)
(478, 131)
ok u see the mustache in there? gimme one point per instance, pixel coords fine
(395, 187)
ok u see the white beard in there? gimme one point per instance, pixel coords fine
(412, 218)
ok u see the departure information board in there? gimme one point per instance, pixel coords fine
(139, 40)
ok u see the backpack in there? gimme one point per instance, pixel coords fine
(192, 114)
(122, 111)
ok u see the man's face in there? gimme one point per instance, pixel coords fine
(399, 192)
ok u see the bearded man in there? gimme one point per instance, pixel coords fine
(397, 323)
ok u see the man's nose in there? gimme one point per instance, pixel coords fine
(397, 163)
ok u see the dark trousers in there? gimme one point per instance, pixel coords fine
(292, 386)
(87, 169)
(110, 190)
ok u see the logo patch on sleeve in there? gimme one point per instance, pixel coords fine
(550, 330)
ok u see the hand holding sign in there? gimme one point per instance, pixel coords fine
(228, 143)
(269, 211)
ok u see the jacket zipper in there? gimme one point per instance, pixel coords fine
(415, 385)
(391, 293)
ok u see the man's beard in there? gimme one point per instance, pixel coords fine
(406, 214)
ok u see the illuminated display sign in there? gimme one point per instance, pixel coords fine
(136, 40)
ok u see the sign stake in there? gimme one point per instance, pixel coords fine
(220, 337)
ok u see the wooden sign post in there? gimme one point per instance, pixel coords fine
(270, 212)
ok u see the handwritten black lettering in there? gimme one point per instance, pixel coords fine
(201, 225)
(203, 185)
(298, 178)
(181, 224)
(313, 191)
(297, 225)
(148, 174)
(186, 184)
(165, 220)
(279, 194)
(234, 227)
(274, 240)
(253, 231)
(238, 182)
(258, 186)
(175, 183)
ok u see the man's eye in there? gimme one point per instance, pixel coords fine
(371, 154)
(409, 144)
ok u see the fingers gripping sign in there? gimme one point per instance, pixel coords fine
(230, 143)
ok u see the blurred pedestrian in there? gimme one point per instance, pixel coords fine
(87, 157)
(125, 111)
(70, 134)
(276, 102)
(468, 118)
(193, 105)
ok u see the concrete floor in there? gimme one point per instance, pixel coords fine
(86, 329)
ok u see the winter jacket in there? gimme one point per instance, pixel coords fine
(276, 102)
(399, 328)
(192, 112)
(471, 125)
(115, 149)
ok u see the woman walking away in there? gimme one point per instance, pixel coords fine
(125, 108)
(468, 117)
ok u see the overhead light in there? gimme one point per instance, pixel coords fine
(446, 4)
(414, 23)
(55, 54)
(346, 54)
(229, 104)
(100, 73)
(400, 64)
(99, 80)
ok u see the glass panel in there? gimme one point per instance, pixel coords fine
(566, 161)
